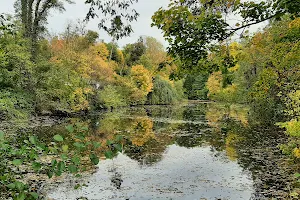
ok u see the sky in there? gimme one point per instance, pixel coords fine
(57, 22)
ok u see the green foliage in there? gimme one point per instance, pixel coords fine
(71, 73)
(163, 93)
(113, 51)
(133, 52)
(189, 35)
(191, 26)
(91, 37)
(111, 97)
(178, 87)
(15, 64)
(118, 15)
(292, 102)
(195, 87)
(65, 158)
(292, 127)
(15, 105)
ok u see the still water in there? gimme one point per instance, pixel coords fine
(184, 152)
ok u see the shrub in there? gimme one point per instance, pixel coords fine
(15, 105)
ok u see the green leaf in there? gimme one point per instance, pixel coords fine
(118, 147)
(17, 162)
(72, 168)
(108, 142)
(33, 139)
(76, 160)
(21, 196)
(79, 145)
(94, 159)
(34, 195)
(70, 128)
(53, 163)
(64, 156)
(65, 148)
(61, 166)
(96, 145)
(50, 174)
(19, 185)
(78, 175)
(58, 173)
(80, 137)
(119, 138)
(36, 166)
(42, 147)
(108, 154)
(11, 186)
(58, 138)
(33, 155)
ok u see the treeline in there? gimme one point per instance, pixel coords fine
(262, 71)
(73, 73)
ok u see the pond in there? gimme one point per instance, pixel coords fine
(192, 151)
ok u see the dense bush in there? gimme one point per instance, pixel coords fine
(15, 105)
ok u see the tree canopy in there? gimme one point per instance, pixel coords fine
(192, 27)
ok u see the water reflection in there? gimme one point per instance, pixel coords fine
(185, 152)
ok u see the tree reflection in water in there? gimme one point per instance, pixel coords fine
(225, 129)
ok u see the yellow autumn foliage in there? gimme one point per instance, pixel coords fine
(214, 83)
(142, 78)
(296, 152)
(295, 23)
(100, 50)
(235, 49)
(79, 99)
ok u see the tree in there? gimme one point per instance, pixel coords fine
(155, 51)
(163, 92)
(16, 81)
(142, 78)
(191, 26)
(117, 16)
(133, 52)
(33, 14)
(91, 36)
